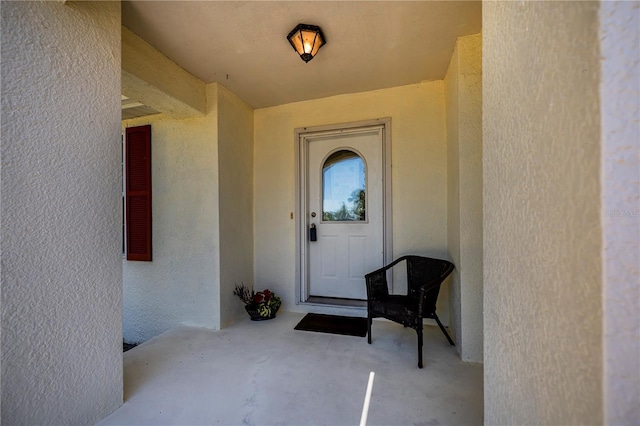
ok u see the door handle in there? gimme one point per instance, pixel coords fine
(313, 236)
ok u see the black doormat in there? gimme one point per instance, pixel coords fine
(334, 324)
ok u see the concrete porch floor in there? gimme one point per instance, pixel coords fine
(267, 373)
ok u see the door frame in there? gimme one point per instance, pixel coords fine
(301, 220)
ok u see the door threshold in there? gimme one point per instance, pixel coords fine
(334, 301)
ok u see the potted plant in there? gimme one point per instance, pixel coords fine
(261, 305)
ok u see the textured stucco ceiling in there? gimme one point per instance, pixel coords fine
(242, 45)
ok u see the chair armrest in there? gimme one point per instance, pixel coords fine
(376, 281)
(377, 284)
(433, 285)
(430, 285)
(389, 266)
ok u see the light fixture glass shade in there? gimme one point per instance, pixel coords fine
(306, 40)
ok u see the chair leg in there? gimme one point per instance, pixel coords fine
(443, 330)
(419, 331)
(369, 320)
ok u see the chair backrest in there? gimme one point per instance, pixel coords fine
(425, 270)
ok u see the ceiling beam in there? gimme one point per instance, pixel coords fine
(154, 80)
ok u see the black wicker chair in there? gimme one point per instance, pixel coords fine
(424, 277)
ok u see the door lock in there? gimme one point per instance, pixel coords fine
(313, 236)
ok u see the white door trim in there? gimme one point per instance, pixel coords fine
(302, 284)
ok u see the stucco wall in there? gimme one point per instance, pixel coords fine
(453, 198)
(418, 138)
(464, 145)
(542, 229)
(181, 284)
(235, 156)
(61, 261)
(202, 172)
(620, 107)
(151, 78)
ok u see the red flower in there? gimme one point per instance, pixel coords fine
(258, 297)
(267, 295)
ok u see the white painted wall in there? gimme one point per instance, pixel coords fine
(235, 169)
(181, 284)
(543, 334)
(463, 85)
(620, 180)
(61, 261)
(419, 176)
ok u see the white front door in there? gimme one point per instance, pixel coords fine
(345, 207)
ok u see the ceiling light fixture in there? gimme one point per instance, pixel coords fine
(306, 40)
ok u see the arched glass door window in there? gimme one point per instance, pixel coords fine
(344, 179)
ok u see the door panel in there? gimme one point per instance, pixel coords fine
(328, 247)
(357, 261)
(345, 203)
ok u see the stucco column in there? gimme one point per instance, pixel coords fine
(61, 212)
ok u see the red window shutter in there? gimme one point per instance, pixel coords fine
(138, 192)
